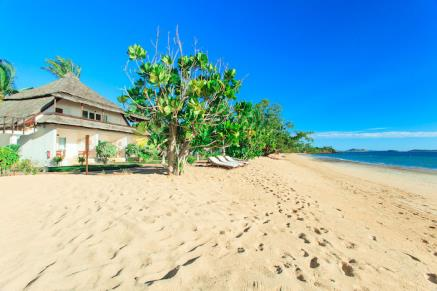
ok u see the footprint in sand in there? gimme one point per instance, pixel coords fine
(314, 263)
(299, 275)
(278, 269)
(304, 253)
(347, 269)
(432, 278)
(303, 237)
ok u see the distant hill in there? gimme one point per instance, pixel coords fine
(423, 151)
(356, 150)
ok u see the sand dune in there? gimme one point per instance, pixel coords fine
(293, 224)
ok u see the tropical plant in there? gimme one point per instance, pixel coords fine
(7, 78)
(81, 160)
(105, 151)
(132, 150)
(8, 157)
(26, 167)
(61, 67)
(57, 160)
(185, 98)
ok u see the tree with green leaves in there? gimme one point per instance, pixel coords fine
(61, 66)
(185, 98)
(7, 78)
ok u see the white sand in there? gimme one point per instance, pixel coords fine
(295, 224)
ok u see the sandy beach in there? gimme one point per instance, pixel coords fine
(289, 224)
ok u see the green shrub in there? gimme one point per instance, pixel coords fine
(26, 167)
(81, 160)
(132, 150)
(57, 160)
(105, 151)
(8, 157)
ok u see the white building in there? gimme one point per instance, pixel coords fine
(53, 120)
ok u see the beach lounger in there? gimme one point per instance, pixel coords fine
(224, 160)
(216, 162)
(236, 160)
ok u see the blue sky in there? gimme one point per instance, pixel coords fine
(342, 69)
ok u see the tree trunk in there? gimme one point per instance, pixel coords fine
(171, 150)
(183, 154)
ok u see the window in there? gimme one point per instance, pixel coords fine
(94, 116)
(59, 110)
(62, 142)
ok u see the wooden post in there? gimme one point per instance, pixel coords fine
(87, 149)
(24, 121)
(4, 124)
(13, 125)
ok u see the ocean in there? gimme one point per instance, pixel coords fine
(413, 159)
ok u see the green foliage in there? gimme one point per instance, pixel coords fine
(57, 160)
(191, 160)
(132, 150)
(7, 78)
(185, 101)
(136, 52)
(61, 67)
(8, 157)
(81, 160)
(26, 167)
(190, 108)
(14, 147)
(105, 151)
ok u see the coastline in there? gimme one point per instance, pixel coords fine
(376, 165)
(294, 223)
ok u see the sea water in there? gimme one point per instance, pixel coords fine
(412, 159)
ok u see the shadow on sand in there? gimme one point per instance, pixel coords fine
(146, 169)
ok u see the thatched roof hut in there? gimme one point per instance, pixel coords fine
(16, 109)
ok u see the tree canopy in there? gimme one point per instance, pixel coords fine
(61, 66)
(185, 98)
(190, 105)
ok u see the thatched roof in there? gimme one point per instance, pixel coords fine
(74, 121)
(29, 103)
(70, 88)
(24, 108)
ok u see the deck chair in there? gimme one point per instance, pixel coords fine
(236, 160)
(214, 161)
(224, 160)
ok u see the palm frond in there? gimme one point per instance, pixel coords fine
(7, 78)
(61, 66)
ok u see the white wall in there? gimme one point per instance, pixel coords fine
(5, 139)
(75, 138)
(35, 146)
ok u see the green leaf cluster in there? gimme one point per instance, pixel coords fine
(7, 78)
(60, 67)
(8, 158)
(105, 151)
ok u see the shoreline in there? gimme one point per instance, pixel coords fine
(374, 165)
